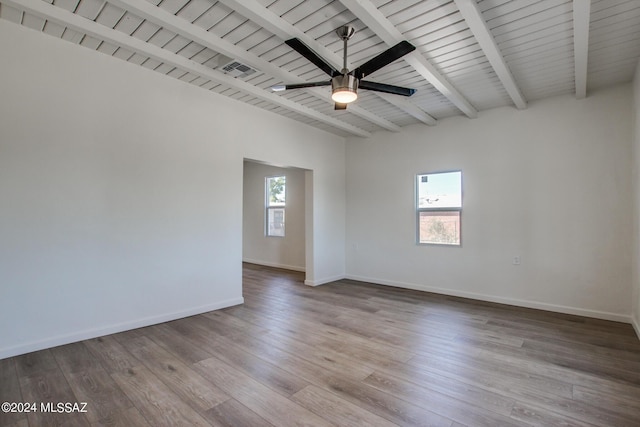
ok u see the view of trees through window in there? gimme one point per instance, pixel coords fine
(439, 204)
(440, 227)
(276, 201)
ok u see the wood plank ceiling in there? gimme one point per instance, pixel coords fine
(471, 55)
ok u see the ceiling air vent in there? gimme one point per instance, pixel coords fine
(237, 69)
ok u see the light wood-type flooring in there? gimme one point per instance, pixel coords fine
(342, 354)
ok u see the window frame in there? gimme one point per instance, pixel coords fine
(272, 208)
(419, 209)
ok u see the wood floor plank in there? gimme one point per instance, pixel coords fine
(537, 395)
(267, 373)
(441, 404)
(383, 404)
(593, 364)
(431, 379)
(369, 324)
(113, 356)
(539, 417)
(226, 350)
(545, 342)
(419, 322)
(23, 422)
(10, 392)
(178, 377)
(166, 337)
(75, 357)
(619, 402)
(234, 414)
(494, 375)
(327, 359)
(580, 411)
(351, 390)
(265, 402)
(476, 335)
(49, 386)
(337, 410)
(290, 361)
(316, 333)
(231, 325)
(498, 362)
(156, 402)
(582, 332)
(530, 368)
(128, 418)
(38, 362)
(103, 396)
(90, 382)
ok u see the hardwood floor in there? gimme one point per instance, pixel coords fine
(342, 354)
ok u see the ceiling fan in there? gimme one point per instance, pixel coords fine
(345, 83)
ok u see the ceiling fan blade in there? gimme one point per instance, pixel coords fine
(381, 87)
(339, 106)
(385, 58)
(313, 57)
(278, 88)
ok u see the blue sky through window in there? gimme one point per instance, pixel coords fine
(440, 190)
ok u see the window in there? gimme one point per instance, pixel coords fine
(276, 193)
(439, 207)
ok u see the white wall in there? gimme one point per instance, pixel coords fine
(121, 193)
(284, 252)
(635, 261)
(549, 184)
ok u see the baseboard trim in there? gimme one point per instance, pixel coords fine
(636, 325)
(121, 327)
(274, 264)
(323, 281)
(502, 300)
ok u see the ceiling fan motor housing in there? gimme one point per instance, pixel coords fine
(344, 82)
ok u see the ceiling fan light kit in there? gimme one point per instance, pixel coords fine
(345, 83)
(344, 88)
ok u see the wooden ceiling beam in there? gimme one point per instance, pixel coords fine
(410, 108)
(581, 19)
(367, 12)
(478, 26)
(118, 38)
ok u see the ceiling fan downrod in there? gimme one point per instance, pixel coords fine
(345, 32)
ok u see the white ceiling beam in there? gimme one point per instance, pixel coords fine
(581, 18)
(271, 22)
(410, 108)
(282, 29)
(367, 12)
(152, 13)
(101, 32)
(478, 26)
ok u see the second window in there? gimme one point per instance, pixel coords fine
(439, 208)
(275, 205)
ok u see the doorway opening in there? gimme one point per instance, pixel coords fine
(277, 216)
